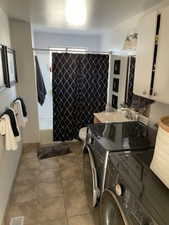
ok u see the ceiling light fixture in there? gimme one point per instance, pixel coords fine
(131, 42)
(76, 12)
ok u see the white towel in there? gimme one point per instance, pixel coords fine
(19, 114)
(6, 130)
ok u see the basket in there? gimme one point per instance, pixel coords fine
(160, 161)
(164, 123)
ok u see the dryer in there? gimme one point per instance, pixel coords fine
(121, 200)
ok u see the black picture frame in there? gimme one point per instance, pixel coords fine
(117, 64)
(2, 75)
(115, 85)
(115, 101)
(9, 66)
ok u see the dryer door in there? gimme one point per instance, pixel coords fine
(90, 177)
(110, 211)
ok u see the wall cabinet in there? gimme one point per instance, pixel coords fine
(144, 54)
(161, 81)
(152, 61)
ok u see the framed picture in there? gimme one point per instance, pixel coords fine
(2, 80)
(114, 101)
(115, 85)
(117, 66)
(11, 67)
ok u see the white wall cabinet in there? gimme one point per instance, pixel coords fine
(146, 58)
(144, 55)
(161, 81)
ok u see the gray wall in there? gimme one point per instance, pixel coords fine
(8, 160)
(22, 42)
(45, 40)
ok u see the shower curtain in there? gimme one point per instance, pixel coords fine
(79, 90)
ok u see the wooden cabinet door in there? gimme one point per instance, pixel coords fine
(144, 54)
(161, 82)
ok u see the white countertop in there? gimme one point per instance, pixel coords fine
(108, 117)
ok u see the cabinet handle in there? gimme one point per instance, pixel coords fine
(144, 92)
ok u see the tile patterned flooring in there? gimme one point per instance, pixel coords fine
(50, 191)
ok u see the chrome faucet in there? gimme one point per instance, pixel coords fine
(129, 113)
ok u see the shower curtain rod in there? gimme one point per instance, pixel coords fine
(69, 51)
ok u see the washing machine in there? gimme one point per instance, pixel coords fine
(106, 139)
(121, 202)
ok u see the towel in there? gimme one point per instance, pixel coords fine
(20, 115)
(18, 137)
(11, 113)
(23, 106)
(41, 89)
(6, 130)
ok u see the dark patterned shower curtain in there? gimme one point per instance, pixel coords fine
(130, 80)
(79, 90)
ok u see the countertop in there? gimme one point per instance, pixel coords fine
(109, 117)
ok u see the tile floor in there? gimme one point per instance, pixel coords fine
(50, 191)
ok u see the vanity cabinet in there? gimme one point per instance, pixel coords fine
(152, 61)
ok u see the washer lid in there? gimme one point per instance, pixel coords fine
(126, 136)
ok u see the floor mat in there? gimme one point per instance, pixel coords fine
(53, 151)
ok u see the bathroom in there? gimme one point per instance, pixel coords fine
(52, 190)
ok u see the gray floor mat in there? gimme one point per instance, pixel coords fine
(53, 151)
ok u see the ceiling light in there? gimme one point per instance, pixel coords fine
(131, 42)
(76, 12)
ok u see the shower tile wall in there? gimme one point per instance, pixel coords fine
(46, 110)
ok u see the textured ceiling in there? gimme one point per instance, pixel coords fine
(100, 14)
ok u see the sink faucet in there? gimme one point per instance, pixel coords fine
(129, 113)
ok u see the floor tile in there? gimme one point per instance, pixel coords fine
(73, 185)
(49, 175)
(51, 209)
(70, 161)
(76, 203)
(24, 193)
(30, 148)
(30, 163)
(70, 175)
(61, 221)
(76, 147)
(52, 189)
(51, 163)
(81, 220)
(27, 176)
(30, 211)
(29, 155)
